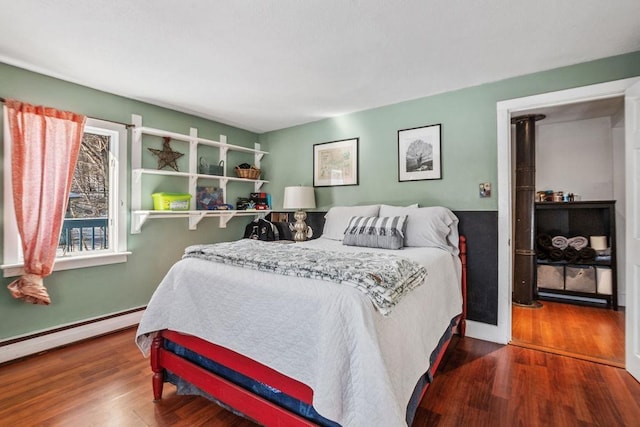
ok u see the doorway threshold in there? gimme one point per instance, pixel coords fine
(573, 355)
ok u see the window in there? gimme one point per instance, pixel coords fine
(94, 229)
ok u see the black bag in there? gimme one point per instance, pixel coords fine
(261, 229)
(285, 230)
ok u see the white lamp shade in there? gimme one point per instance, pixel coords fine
(299, 198)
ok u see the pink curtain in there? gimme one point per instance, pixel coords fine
(45, 146)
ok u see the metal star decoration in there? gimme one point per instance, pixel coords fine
(166, 156)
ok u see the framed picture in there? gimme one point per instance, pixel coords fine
(335, 163)
(419, 153)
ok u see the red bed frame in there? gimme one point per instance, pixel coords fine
(242, 400)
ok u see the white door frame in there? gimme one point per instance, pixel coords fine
(501, 333)
(632, 250)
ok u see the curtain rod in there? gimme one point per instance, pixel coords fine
(127, 125)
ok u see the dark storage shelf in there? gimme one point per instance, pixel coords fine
(570, 219)
(602, 263)
(578, 298)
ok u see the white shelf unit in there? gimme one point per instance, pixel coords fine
(140, 216)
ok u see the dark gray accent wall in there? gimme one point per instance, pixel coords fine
(481, 230)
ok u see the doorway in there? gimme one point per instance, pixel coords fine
(578, 149)
(630, 89)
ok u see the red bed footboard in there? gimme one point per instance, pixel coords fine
(253, 406)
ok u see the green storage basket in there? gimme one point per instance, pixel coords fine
(171, 201)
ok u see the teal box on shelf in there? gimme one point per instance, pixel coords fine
(207, 169)
(217, 169)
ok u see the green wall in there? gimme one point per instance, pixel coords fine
(469, 157)
(93, 292)
(468, 118)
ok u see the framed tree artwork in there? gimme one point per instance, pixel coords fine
(335, 163)
(419, 153)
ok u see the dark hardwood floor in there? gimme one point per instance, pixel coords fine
(107, 382)
(591, 333)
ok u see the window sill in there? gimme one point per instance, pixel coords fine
(69, 263)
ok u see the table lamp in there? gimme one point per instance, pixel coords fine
(299, 198)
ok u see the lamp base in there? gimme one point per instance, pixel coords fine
(300, 226)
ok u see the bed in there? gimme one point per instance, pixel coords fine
(298, 349)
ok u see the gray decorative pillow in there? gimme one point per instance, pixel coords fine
(375, 232)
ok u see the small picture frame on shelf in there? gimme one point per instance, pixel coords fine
(279, 217)
(209, 198)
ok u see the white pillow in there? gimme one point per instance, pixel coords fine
(433, 227)
(337, 219)
(414, 205)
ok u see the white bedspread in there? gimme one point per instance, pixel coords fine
(362, 366)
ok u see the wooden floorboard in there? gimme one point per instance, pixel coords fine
(592, 333)
(107, 382)
(499, 385)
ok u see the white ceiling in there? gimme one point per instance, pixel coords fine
(268, 64)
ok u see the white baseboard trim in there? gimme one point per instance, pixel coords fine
(67, 336)
(486, 332)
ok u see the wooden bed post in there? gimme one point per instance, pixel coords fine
(156, 367)
(463, 258)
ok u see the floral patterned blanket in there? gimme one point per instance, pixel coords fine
(383, 277)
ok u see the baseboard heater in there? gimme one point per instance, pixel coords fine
(26, 345)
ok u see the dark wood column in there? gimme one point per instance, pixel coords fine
(524, 265)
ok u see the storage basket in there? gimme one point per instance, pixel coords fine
(206, 169)
(550, 276)
(171, 201)
(604, 279)
(217, 169)
(251, 173)
(580, 279)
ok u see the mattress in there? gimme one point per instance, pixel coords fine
(284, 400)
(362, 366)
